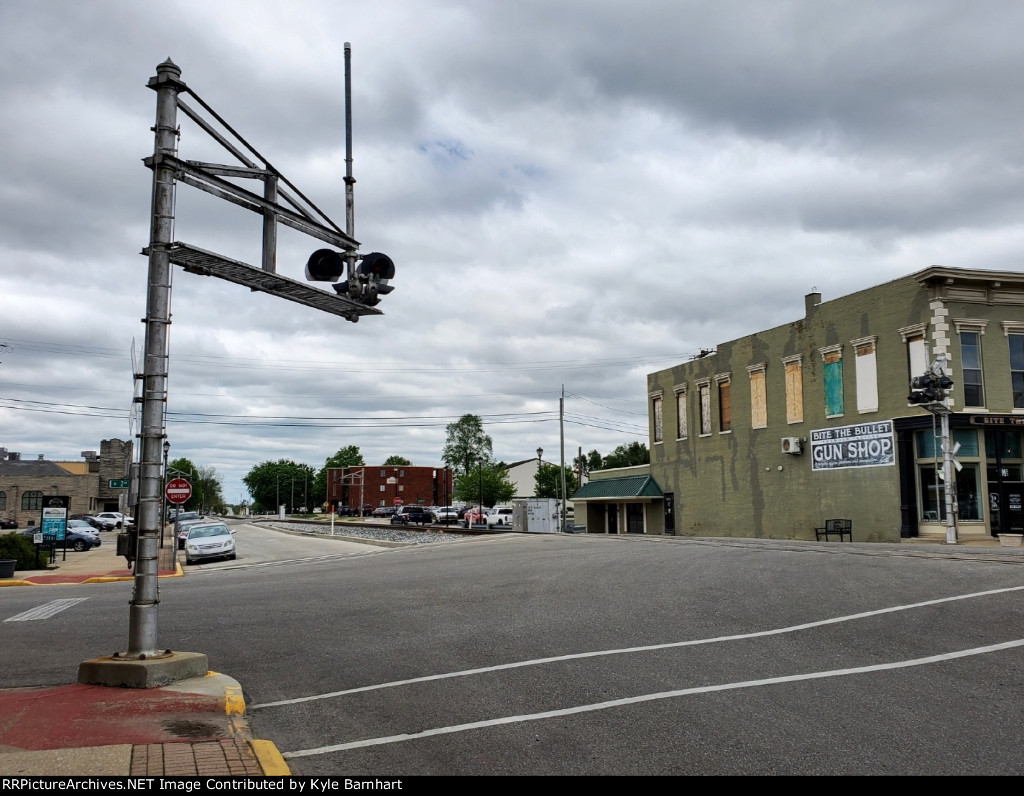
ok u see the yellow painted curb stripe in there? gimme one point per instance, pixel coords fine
(270, 759)
(234, 702)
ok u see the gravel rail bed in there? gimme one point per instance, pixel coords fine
(376, 534)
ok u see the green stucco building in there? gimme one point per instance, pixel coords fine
(774, 433)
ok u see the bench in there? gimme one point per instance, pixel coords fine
(840, 528)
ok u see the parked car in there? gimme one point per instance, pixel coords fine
(206, 540)
(100, 523)
(411, 515)
(445, 514)
(183, 529)
(120, 520)
(384, 511)
(499, 515)
(7, 524)
(183, 516)
(80, 535)
(474, 515)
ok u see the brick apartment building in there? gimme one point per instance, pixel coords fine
(388, 486)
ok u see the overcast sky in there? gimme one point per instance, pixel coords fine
(574, 192)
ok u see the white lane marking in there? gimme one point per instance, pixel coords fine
(45, 611)
(615, 703)
(599, 653)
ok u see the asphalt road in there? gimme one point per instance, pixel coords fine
(591, 655)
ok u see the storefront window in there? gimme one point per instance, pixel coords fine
(933, 494)
(928, 444)
(968, 479)
(1005, 443)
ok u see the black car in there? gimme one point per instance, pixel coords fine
(6, 524)
(407, 515)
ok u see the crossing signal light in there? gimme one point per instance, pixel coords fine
(371, 279)
(929, 388)
(325, 265)
(927, 396)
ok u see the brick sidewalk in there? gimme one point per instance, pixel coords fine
(228, 757)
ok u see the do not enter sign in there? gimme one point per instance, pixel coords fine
(178, 490)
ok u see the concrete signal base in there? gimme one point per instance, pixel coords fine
(153, 672)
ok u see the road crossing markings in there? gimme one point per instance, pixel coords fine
(47, 610)
(615, 703)
(627, 650)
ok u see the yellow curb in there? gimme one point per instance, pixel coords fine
(270, 759)
(234, 702)
(18, 583)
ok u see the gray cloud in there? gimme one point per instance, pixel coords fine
(575, 193)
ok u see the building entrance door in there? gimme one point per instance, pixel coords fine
(670, 513)
(1006, 505)
(613, 518)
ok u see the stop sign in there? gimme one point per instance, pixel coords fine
(178, 490)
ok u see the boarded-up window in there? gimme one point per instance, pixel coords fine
(794, 391)
(833, 383)
(724, 407)
(866, 372)
(758, 400)
(681, 414)
(917, 355)
(656, 411)
(705, 408)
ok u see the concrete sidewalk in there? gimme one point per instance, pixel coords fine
(194, 727)
(99, 565)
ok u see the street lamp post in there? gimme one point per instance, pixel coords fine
(163, 506)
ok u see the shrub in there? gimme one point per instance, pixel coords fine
(20, 547)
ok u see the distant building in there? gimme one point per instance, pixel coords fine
(773, 433)
(97, 482)
(389, 485)
(524, 475)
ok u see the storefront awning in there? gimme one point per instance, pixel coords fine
(628, 487)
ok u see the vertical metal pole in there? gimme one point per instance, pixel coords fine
(163, 498)
(350, 200)
(142, 618)
(270, 225)
(561, 442)
(947, 477)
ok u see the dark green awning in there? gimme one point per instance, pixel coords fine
(624, 488)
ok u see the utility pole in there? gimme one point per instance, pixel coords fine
(561, 441)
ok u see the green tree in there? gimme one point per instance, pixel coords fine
(548, 481)
(467, 444)
(398, 461)
(206, 486)
(282, 482)
(210, 488)
(349, 456)
(488, 483)
(628, 456)
(594, 460)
